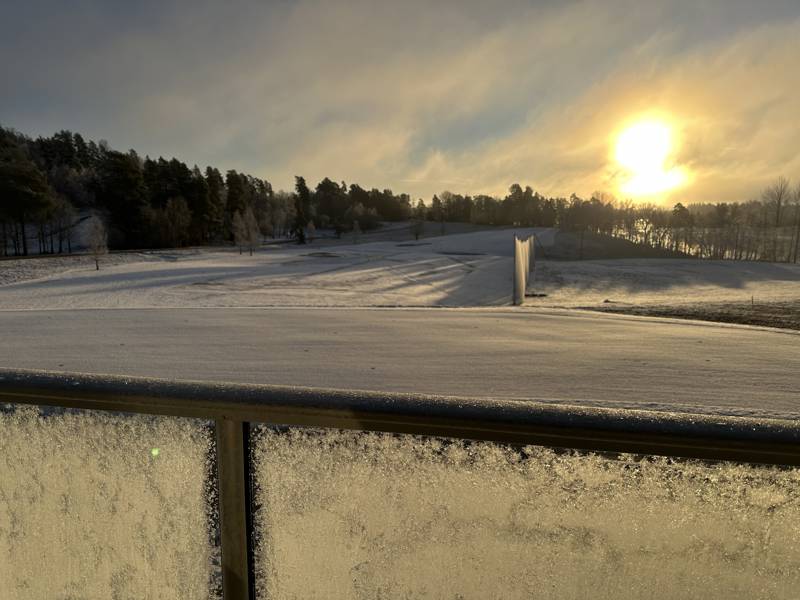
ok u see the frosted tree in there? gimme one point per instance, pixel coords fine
(278, 217)
(245, 230)
(418, 223)
(238, 230)
(98, 240)
(417, 228)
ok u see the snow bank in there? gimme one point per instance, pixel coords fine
(348, 515)
(96, 507)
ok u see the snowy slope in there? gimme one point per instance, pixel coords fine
(466, 270)
(472, 269)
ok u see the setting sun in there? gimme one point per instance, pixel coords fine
(643, 150)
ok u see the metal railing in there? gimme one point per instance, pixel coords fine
(233, 407)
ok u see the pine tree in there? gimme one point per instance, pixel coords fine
(302, 200)
(123, 192)
(216, 203)
(24, 192)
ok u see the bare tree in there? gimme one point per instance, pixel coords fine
(281, 212)
(446, 198)
(98, 240)
(64, 217)
(777, 195)
(252, 231)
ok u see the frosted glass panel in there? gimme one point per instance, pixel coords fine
(346, 515)
(103, 507)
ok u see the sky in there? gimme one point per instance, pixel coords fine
(419, 96)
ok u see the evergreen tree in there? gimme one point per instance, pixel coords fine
(122, 191)
(236, 192)
(331, 202)
(302, 201)
(217, 195)
(197, 200)
(24, 192)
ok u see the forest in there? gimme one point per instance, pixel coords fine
(46, 183)
(49, 184)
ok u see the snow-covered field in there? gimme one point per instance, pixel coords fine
(461, 270)
(465, 270)
(17, 270)
(663, 281)
(484, 348)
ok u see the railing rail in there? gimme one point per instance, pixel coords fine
(234, 406)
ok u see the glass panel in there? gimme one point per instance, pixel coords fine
(98, 506)
(355, 515)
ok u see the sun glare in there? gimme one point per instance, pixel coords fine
(643, 150)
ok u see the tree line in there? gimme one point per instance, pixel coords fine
(766, 228)
(45, 183)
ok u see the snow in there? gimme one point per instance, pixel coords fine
(85, 501)
(573, 357)
(16, 270)
(168, 322)
(465, 270)
(349, 515)
(663, 281)
(371, 515)
(445, 271)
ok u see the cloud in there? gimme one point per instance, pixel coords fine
(417, 96)
(731, 100)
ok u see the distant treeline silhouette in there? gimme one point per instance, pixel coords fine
(46, 182)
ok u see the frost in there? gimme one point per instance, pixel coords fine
(354, 515)
(97, 506)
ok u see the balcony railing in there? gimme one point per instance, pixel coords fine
(250, 446)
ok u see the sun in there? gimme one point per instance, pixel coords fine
(644, 151)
